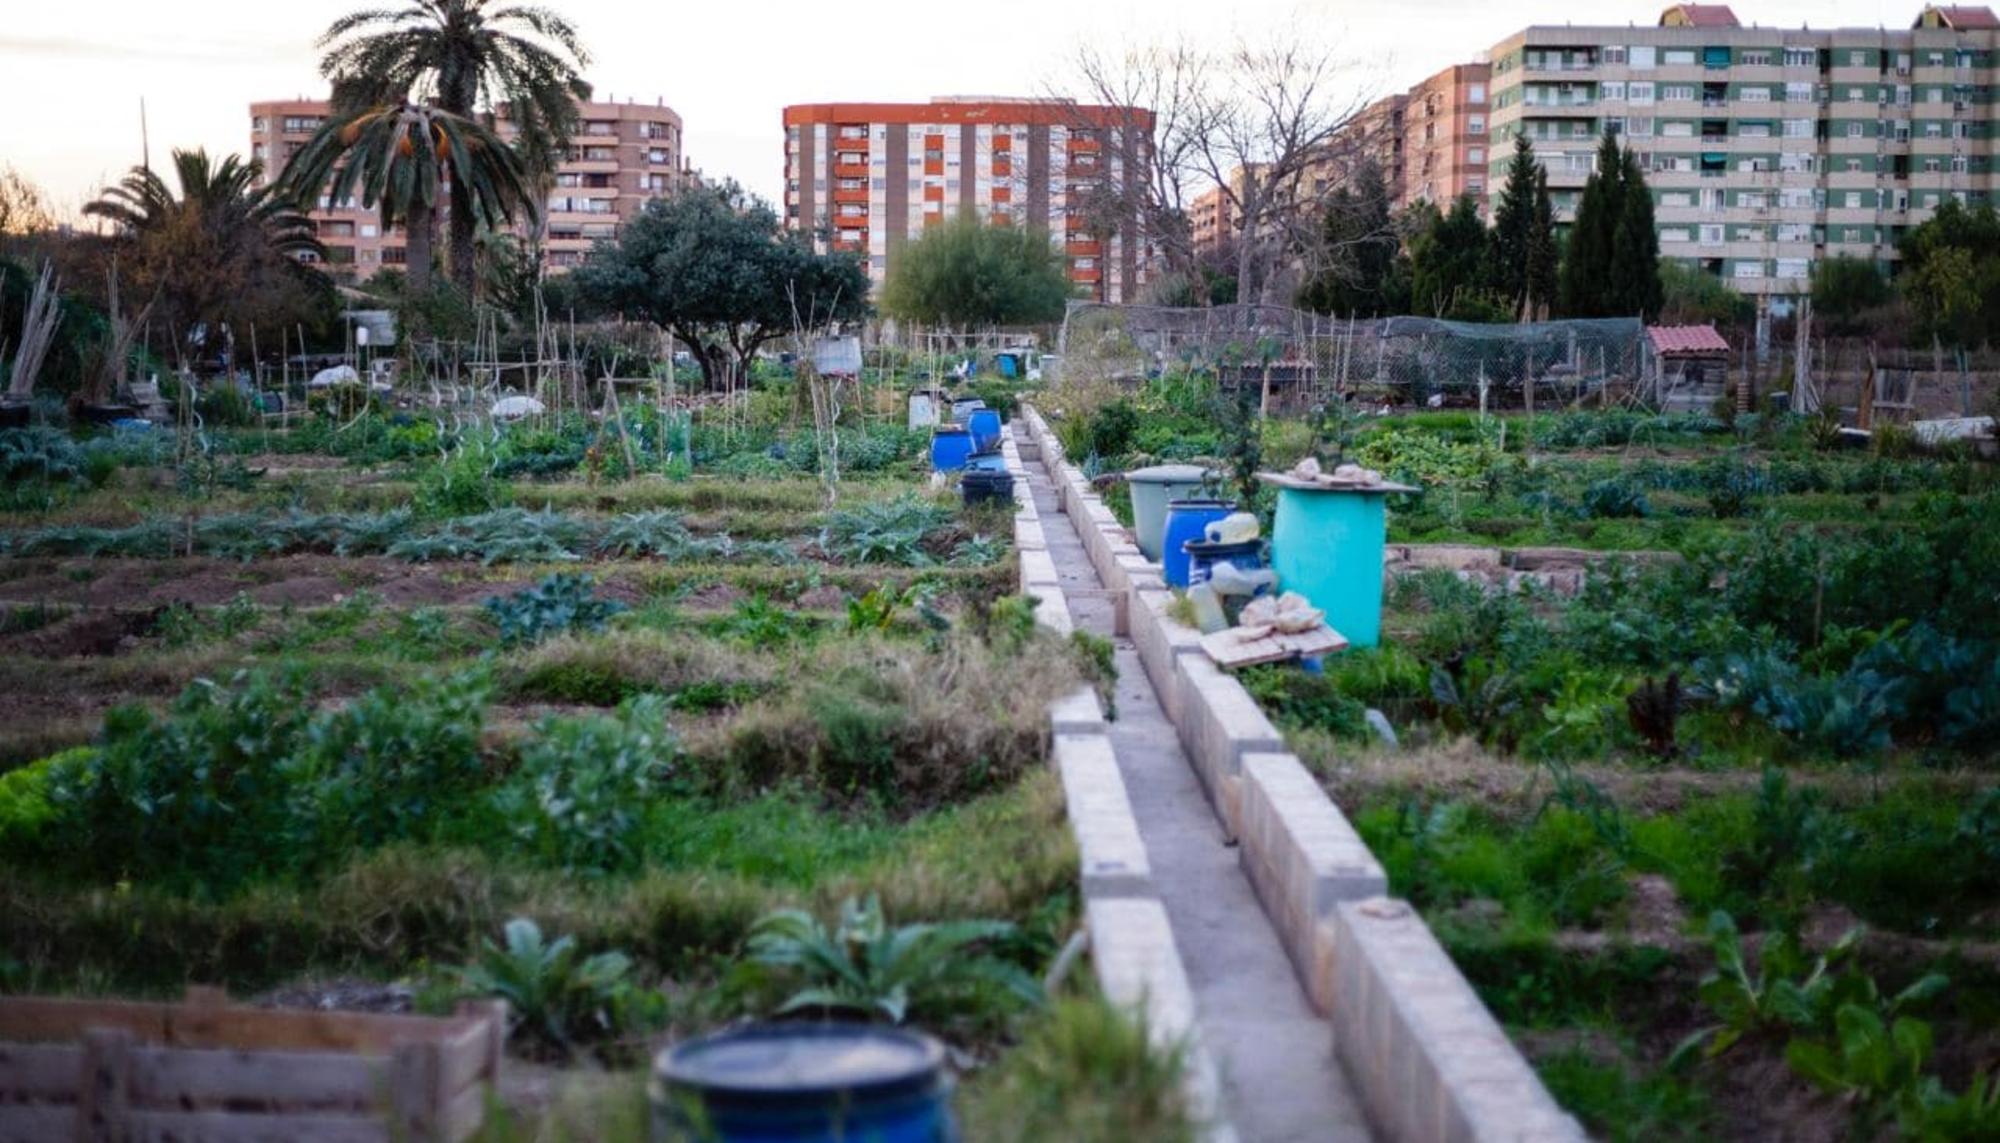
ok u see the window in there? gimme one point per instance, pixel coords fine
(1086, 263)
(1857, 59)
(1755, 95)
(1677, 129)
(1933, 166)
(1475, 124)
(1852, 200)
(1753, 200)
(1801, 57)
(1639, 126)
(1614, 125)
(1794, 267)
(1857, 95)
(1854, 130)
(1475, 154)
(1612, 90)
(1853, 165)
(1614, 53)
(1476, 93)
(1798, 128)
(1798, 93)
(1677, 91)
(1959, 165)
(1677, 57)
(1674, 234)
(1676, 198)
(1748, 130)
(1475, 186)
(1755, 57)
(1711, 233)
(1933, 130)
(1641, 56)
(1794, 232)
(1637, 92)
(1749, 269)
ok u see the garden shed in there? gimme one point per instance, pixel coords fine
(1686, 359)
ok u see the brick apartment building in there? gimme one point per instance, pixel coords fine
(1429, 144)
(1767, 149)
(621, 155)
(868, 177)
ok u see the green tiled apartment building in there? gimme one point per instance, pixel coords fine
(1767, 149)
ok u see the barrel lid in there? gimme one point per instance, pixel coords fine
(801, 1059)
(1201, 504)
(950, 431)
(1168, 474)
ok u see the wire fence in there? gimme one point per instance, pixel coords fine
(1303, 357)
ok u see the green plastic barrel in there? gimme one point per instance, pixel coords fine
(1151, 489)
(1326, 544)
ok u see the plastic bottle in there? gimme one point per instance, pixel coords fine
(1226, 579)
(1207, 609)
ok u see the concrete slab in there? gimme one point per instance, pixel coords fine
(1112, 858)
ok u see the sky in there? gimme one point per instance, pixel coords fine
(73, 74)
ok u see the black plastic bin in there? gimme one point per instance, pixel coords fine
(982, 487)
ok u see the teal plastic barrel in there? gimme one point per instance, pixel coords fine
(803, 1083)
(1151, 489)
(1326, 544)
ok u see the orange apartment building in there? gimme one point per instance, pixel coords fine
(621, 155)
(1444, 138)
(1429, 143)
(868, 177)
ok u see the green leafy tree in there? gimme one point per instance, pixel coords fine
(1448, 265)
(465, 57)
(971, 273)
(400, 158)
(1586, 266)
(1845, 287)
(1691, 296)
(1951, 274)
(712, 266)
(1360, 245)
(1635, 247)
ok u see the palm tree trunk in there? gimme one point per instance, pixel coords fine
(419, 226)
(459, 254)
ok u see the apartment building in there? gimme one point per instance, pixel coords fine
(622, 155)
(1767, 149)
(868, 177)
(1443, 139)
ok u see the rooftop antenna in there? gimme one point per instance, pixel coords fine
(145, 140)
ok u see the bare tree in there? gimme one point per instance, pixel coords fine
(1263, 120)
(24, 209)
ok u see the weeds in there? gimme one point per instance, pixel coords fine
(560, 603)
(558, 998)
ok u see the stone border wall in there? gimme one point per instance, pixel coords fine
(1131, 940)
(1429, 1060)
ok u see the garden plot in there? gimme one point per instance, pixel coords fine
(573, 741)
(1712, 830)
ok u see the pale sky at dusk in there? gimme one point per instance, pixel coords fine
(72, 73)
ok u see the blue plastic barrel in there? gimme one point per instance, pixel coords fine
(803, 1083)
(1326, 544)
(1186, 520)
(986, 462)
(985, 426)
(951, 447)
(1202, 555)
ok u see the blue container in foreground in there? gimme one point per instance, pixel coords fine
(1186, 520)
(951, 447)
(803, 1083)
(985, 426)
(1326, 544)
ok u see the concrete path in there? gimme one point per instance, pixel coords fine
(1275, 1054)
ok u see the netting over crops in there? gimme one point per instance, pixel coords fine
(1312, 356)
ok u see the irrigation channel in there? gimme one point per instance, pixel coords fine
(1279, 1078)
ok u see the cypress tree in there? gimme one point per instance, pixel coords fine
(1510, 243)
(1586, 267)
(1635, 248)
(1543, 252)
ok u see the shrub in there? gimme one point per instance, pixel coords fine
(1086, 1072)
(576, 800)
(395, 764)
(1112, 428)
(558, 998)
(561, 602)
(1614, 499)
(865, 968)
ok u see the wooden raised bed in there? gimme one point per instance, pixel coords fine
(202, 1070)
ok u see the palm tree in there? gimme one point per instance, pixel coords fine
(223, 196)
(465, 56)
(400, 158)
(222, 248)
